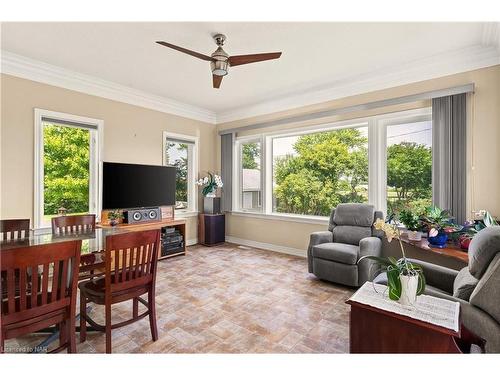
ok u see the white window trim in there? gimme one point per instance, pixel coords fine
(377, 163)
(193, 170)
(95, 165)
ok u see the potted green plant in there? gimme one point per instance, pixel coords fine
(412, 223)
(405, 280)
(210, 183)
(439, 225)
(114, 217)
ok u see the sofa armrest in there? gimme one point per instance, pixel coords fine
(368, 268)
(316, 239)
(437, 276)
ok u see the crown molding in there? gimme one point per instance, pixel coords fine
(38, 71)
(462, 60)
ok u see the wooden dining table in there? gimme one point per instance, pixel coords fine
(92, 249)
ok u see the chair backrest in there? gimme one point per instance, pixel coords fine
(38, 280)
(73, 224)
(14, 229)
(351, 222)
(131, 259)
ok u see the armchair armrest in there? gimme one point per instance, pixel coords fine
(437, 276)
(316, 239)
(367, 268)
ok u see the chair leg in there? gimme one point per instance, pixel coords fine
(71, 327)
(108, 328)
(135, 308)
(83, 318)
(152, 315)
(63, 332)
(2, 342)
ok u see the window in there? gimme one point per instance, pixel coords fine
(180, 151)
(67, 173)
(251, 175)
(314, 172)
(409, 166)
(384, 160)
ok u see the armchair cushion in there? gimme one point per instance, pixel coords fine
(337, 252)
(464, 284)
(486, 295)
(354, 214)
(483, 247)
(350, 234)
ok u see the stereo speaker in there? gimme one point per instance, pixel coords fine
(142, 215)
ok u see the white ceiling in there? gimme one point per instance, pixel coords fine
(315, 55)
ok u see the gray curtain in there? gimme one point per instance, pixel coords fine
(449, 124)
(227, 171)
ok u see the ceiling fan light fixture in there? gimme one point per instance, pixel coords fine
(219, 67)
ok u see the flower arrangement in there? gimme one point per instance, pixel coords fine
(405, 280)
(472, 227)
(114, 216)
(210, 184)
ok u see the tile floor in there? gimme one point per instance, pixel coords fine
(227, 299)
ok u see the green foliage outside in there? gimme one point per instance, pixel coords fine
(328, 168)
(66, 169)
(250, 153)
(181, 164)
(409, 177)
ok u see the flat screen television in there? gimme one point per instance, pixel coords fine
(136, 186)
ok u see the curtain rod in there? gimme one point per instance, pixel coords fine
(358, 107)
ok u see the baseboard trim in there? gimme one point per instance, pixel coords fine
(191, 242)
(267, 246)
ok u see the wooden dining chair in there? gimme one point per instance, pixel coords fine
(14, 229)
(34, 303)
(73, 224)
(131, 260)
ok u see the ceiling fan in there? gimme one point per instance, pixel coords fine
(220, 61)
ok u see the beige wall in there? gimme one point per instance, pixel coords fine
(483, 150)
(131, 134)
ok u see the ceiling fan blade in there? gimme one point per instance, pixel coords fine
(217, 80)
(248, 59)
(189, 52)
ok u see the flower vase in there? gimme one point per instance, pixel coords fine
(439, 240)
(409, 286)
(211, 204)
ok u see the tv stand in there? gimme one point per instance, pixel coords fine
(179, 224)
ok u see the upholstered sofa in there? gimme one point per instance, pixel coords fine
(476, 287)
(333, 254)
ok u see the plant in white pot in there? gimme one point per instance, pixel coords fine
(405, 280)
(210, 183)
(412, 223)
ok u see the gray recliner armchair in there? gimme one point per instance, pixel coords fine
(476, 287)
(333, 254)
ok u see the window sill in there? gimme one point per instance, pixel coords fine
(284, 217)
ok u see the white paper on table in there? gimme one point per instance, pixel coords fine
(438, 311)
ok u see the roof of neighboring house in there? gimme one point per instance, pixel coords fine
(251, 180)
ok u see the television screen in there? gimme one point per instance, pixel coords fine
(135, 186)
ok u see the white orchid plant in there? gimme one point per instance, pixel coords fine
(210, 184)
(394, 267)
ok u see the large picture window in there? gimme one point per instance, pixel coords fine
(314, 172)
(409, 166)
(67, 173)
(180, 151)
(384, 160)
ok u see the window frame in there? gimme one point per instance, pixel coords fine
(95, 162)
(238, 182)
(377, 160)
(193, 168)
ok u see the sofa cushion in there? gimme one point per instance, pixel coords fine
(464, 284)
(336, 252)
(487, 292)
(483, 247)
(355, 214)
(350, 234)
